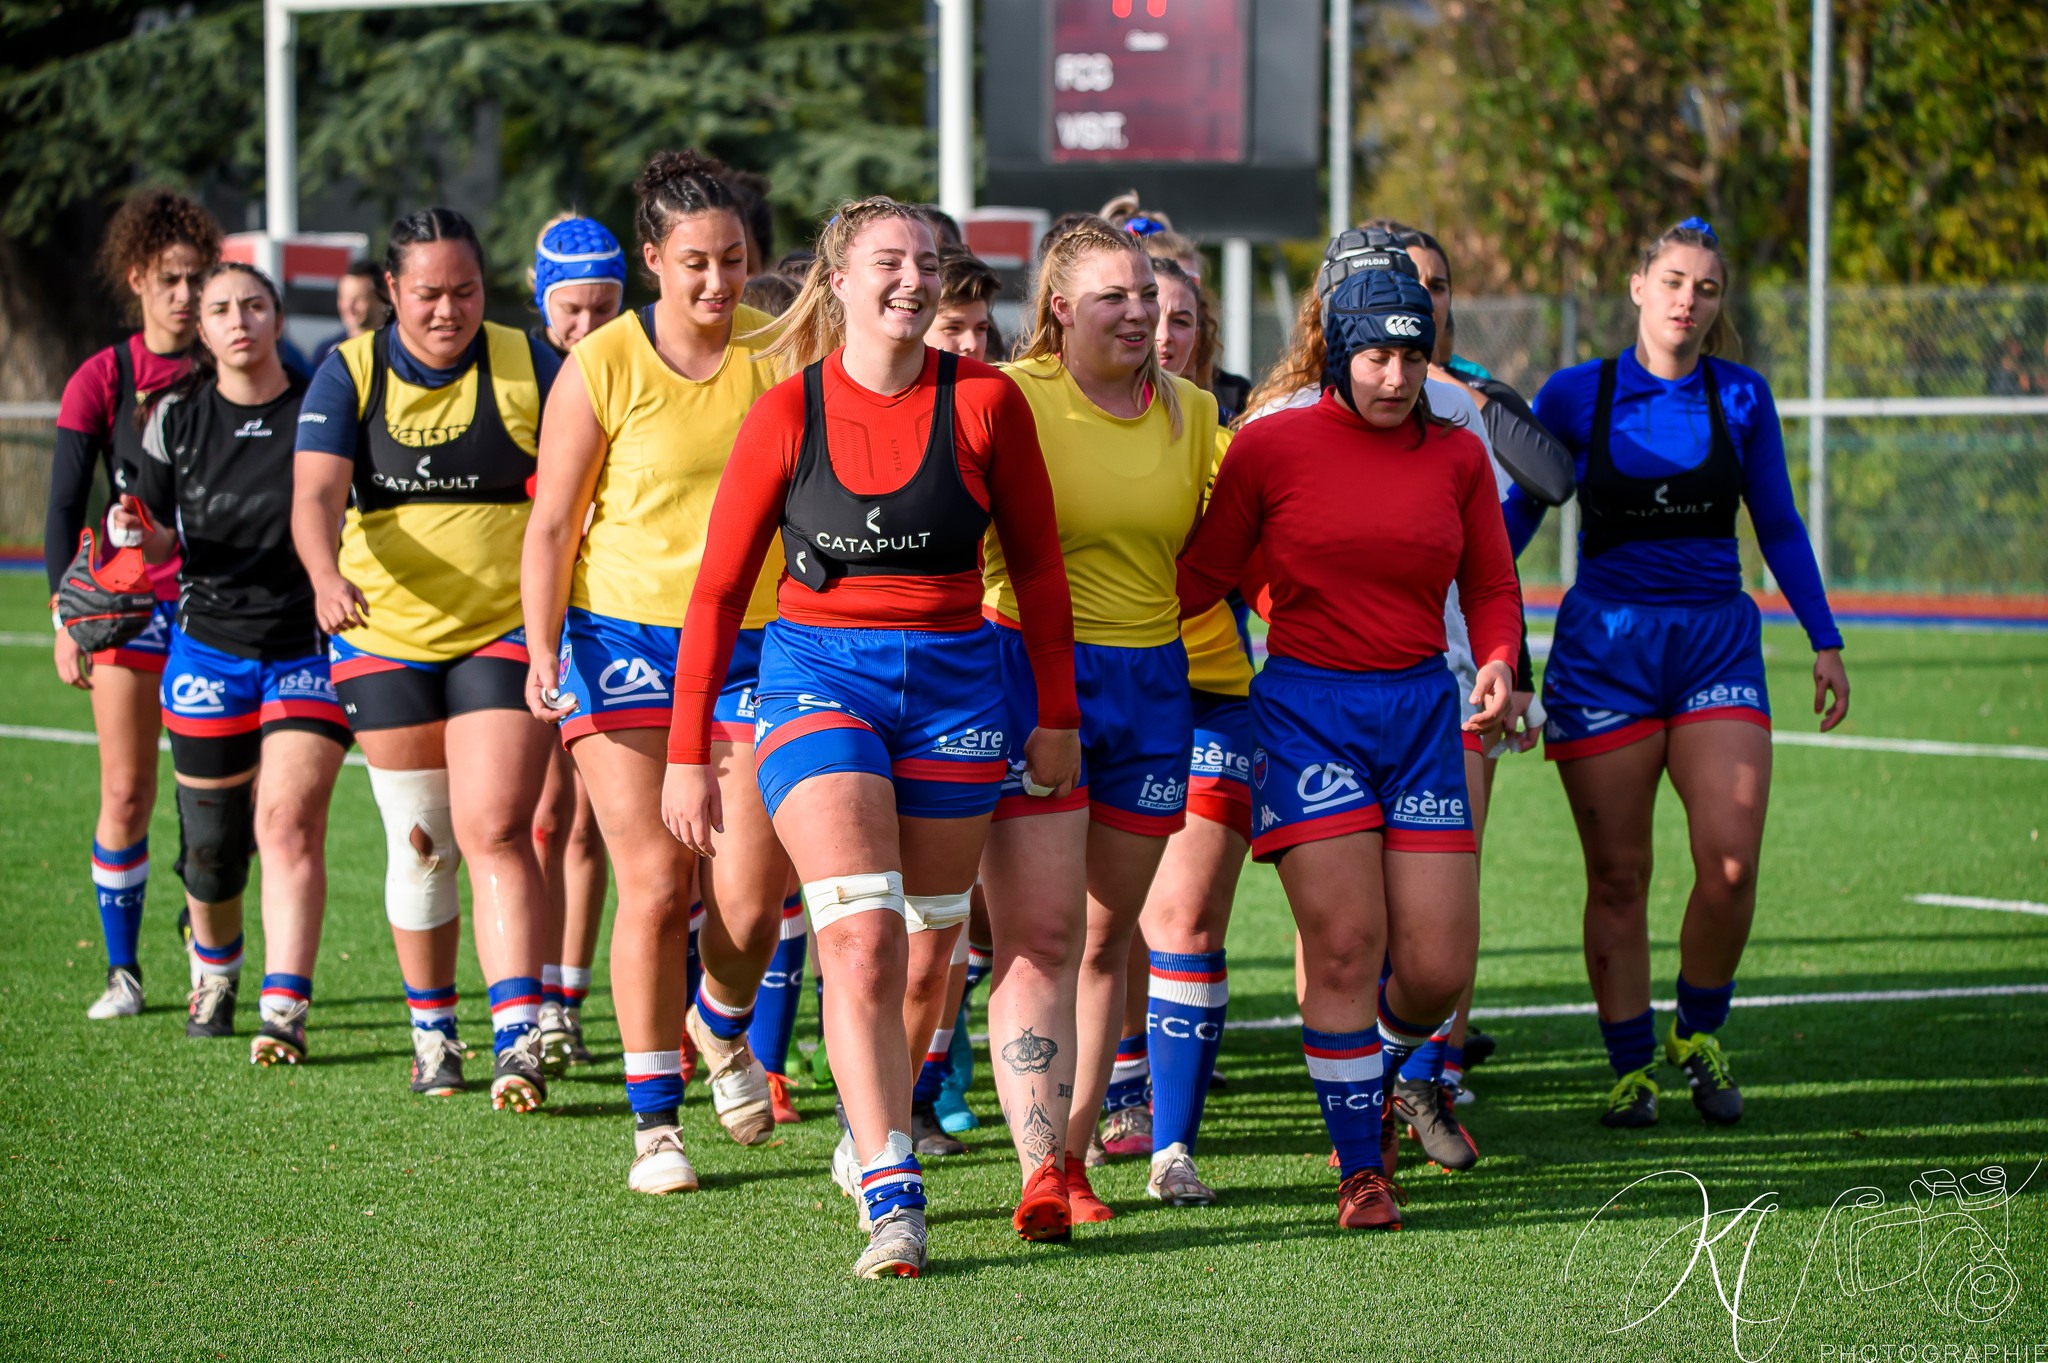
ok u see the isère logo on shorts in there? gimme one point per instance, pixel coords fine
(1213, 759)
(1443, 811)
(1721, 694)
(629, 677)
(306, 681)
(1325, 785)
(189, 692)
(806, 701)
(748, 707)
(1170, 794)
(983, 743)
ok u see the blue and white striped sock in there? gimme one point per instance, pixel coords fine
(120, 877)
(515, 1010)
(1346, 1070)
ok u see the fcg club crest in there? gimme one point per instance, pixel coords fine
(1259, 768)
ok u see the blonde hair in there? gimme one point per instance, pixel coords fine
(1301, 367)
(1056, 275)
(815, 324)
(1721, 339)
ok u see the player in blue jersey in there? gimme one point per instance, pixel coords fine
(1658, 660)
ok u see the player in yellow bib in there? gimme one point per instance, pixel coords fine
(426, 430)
(640, 429)
(1129, 449)
(1178, 952)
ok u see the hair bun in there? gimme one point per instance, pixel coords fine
(666, 167)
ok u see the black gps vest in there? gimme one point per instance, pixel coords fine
(929, 527)
(475, 463)
(1698, 504)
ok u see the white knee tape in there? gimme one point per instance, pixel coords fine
(836, 898)
(420, 855)
(960, 949)
(931, 912)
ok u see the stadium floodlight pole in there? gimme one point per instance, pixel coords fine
(1340, 115)
(281, 112)
(1237, 304)
(956, 107)
(1818, 189)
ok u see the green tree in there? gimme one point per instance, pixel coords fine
(1552, 136)
(565, 99)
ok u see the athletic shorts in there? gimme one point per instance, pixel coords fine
(1348, 752)
(1220, 775)
(623, 676)
(1137, 727)
(220, 707)
(920, 708)
(146, 651)
(391, 693)
(1619, 673)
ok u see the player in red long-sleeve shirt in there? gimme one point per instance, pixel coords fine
(880, 713)
(1365, 510)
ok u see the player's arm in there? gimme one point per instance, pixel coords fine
(571, 454)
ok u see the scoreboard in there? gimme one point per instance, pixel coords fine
(1165, 82)
(1211, 109)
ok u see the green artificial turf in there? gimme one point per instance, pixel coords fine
(162, 1199)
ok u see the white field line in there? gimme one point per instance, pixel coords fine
(12, 638)
(1971, 901)
(1921, 747)
(1588, 1009)
(87, 738)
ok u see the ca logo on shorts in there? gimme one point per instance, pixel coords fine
(189, 692)
(1325, 785)
(628, 677)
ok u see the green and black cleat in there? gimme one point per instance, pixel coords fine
(1632, 1102)
(1706, 1070)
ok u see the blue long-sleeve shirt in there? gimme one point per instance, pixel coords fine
(1661, 427)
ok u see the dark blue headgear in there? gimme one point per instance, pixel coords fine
(575, 251)
(1374, 308)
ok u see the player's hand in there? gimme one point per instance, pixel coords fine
(74, 665)
(1520, 735)
(1830, 676)
(544, 694)
(690, 806)
(1492, 693)
(125, 528)
(1052, 762)
(339, 605)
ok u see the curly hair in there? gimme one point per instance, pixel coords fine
(148, 223)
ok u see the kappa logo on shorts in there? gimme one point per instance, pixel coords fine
(1325, 785)
(982, 743)
(630, 677)
(153, 633)
(1446, 811)
(1618, 622)
(1267, 818)
(1169, 795)
(1721, 694)
(190, 692)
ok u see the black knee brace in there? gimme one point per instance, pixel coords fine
(216, 838)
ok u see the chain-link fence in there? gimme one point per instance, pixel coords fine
(1925, 501)
(1919, 503)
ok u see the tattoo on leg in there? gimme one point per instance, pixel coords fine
(1065, 1090)
(1035, 1139)
(1030, 1053)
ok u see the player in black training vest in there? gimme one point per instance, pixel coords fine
(246, 684)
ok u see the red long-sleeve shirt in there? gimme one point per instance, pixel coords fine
(877, 442)
(1362, 533)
